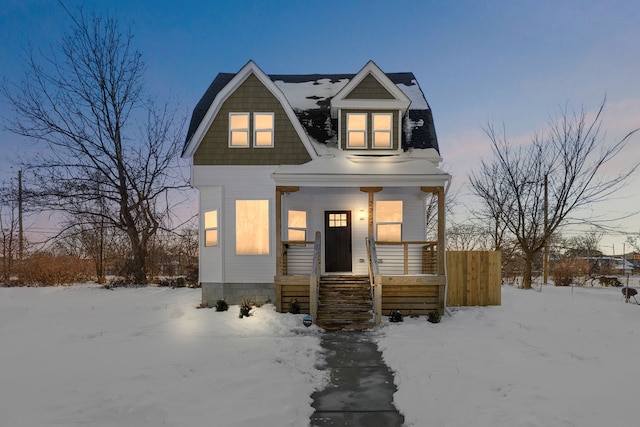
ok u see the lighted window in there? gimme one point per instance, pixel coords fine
(389, 221)
(338, 220)
(356, 130)
(263, 129)
(252, 227)
(297, 226)
(211, 228)
(382, 130)
(238, 129)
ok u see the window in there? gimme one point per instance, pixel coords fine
(338, 220)
(382, 130)
(238, 129)
(356, 130)
(252, 227)
(297, 226)
(211, 228)
(263, 133)
(389, 221)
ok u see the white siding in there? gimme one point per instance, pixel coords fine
(247, 183)
(211, 259)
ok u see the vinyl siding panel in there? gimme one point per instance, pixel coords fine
(369, 88)
(251, 96)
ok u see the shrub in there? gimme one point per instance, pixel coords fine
(294, 308)
(433, 316)
(567, 270)
(221, 305)
(245, 308)
(395, 316)
(180, 282)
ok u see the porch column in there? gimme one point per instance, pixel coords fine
(280, 190)
(439, 192)
(371, 191)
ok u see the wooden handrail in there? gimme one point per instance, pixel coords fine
(314, 278)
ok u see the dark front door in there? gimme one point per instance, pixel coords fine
(337, 241)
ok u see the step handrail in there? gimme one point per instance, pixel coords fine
(374, 278)
(314, 278)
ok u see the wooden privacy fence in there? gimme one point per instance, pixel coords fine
(474, 278)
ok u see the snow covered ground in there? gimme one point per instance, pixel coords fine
(549, 358)
(83, 355)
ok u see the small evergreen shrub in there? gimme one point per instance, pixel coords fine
(221, 305)
(180, 282)
(395, 316)
(433, 316)
(245, 308)
(294, 308)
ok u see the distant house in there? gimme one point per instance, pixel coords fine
(296, 173)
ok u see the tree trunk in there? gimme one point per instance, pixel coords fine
(526, 273)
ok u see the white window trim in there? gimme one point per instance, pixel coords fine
(256, 129)
(378, 223)
(374, 130)
(348, 132)
(248, 129)
(304, 229)
(216, 228)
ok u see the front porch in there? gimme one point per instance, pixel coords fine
(408, 276)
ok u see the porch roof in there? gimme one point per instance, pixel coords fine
(357, 171)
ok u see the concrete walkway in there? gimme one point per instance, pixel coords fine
(361, 389)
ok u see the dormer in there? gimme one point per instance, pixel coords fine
(369, 110)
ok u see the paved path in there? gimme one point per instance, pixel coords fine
(361, 389)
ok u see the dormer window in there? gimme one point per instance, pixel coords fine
(356, 130)
(240, 130)
(369, 131)
(382, 130)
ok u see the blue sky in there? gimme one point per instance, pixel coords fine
(511, 62)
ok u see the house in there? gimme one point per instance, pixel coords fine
(319, 191)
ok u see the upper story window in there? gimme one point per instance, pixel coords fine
(382, 130)
(356, 130)
(240, 134)
(238, 129)
(369, 131)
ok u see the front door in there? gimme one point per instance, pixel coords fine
(337, 241)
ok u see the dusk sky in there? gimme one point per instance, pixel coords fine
(511, 62)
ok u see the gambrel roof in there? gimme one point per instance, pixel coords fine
(310, 96)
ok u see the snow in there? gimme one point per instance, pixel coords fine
(83, 355)
(147, 357)
(549, 358)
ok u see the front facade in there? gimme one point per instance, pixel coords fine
(281, 159)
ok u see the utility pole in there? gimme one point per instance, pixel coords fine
(545, 255)
(20, 229)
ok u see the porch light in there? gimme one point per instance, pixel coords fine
(361, 215)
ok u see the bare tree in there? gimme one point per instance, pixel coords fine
(535, 189)
(108, 152)
(467, 237)
(8, 231)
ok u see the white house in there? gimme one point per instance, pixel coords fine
(281, 159)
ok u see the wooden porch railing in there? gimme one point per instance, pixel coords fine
(314, 278)
(430, 264)
(374, 279)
